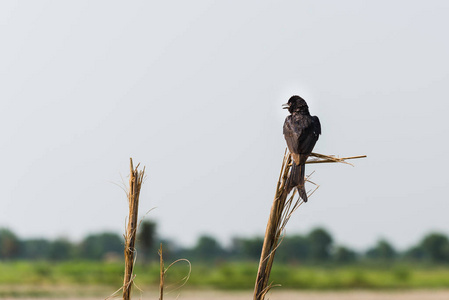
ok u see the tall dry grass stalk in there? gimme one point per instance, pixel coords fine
(281, 211)
(273, 231)
(135, 183)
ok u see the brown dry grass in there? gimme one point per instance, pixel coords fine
(331, 295)
(290, 295)
(135, 183)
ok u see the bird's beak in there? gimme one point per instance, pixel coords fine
(285, 106)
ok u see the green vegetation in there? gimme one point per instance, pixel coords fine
(94, 266)
(316, 247)
(223, 276)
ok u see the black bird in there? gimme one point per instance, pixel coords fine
(301, 131)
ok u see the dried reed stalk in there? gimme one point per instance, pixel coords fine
(281, 211)
(272, 232)
(135, 183)
(331, 159)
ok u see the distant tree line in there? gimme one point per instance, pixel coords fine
(316, 247)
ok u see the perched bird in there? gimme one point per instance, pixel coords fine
(301, 131)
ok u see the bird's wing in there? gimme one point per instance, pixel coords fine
(311, 130)
(291, 135)
(316, 125)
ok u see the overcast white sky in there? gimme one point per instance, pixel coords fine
(193, 91)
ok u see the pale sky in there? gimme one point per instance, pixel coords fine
(193, 90)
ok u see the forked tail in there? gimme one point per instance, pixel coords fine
(297, 178)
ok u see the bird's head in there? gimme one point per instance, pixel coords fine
(296, 104)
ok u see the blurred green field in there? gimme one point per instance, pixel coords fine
(24, 278)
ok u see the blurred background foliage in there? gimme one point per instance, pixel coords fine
(309, 261)
(314, 248)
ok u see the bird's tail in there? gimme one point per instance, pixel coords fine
(297, 178)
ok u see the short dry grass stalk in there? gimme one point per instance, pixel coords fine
(281, 211)
(162, 275)
(135, 183)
